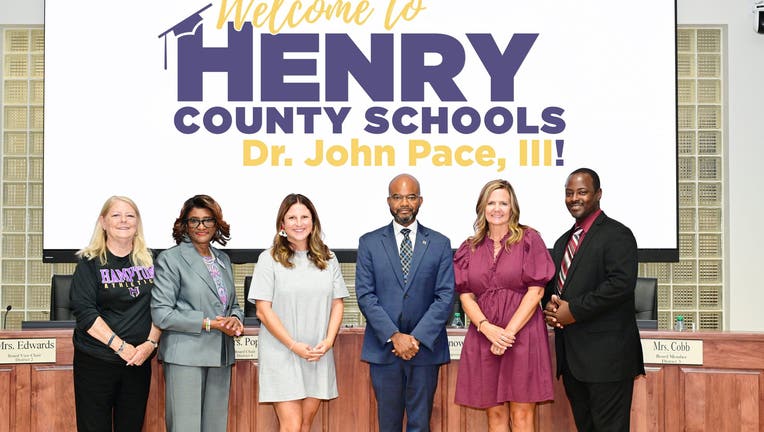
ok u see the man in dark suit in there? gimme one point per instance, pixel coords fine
(590, 302)
(405, 287)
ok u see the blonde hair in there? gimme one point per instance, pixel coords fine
(282, 252)
(140, 255)
(481, 226)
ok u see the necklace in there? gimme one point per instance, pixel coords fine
(497, 245)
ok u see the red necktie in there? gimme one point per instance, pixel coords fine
(570, 250)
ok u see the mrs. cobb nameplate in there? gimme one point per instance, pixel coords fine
(27, 351)
(673, 351)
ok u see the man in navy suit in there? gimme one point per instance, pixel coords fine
(590, 302)
(405, 286)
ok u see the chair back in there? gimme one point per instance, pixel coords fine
(60, 285)
(646, 298)
(249, 308)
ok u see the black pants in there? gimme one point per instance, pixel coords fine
(102, 389)
(599, 407)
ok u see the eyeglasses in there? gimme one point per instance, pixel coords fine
(207, 222)
(399, 198)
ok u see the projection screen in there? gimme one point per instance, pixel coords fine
(248, 101)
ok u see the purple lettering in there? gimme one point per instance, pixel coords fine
(552, 117)
(429, 119)
(274, 67)
(414, 72)
(502, 67)
(375, 75)
(376, 121)
(237, 60)
(180, 117)
(105, 276)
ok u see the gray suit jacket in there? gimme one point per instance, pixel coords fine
(183, 295)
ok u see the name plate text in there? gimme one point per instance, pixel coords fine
(673, 351)
(246, 347)
(455, 344)
(14, 351)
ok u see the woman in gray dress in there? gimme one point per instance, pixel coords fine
(298, 289)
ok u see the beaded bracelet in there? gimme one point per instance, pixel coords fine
(121, 348)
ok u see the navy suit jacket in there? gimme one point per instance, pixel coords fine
(419, 307)
(603, 344)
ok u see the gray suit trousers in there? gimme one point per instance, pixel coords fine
(196, 398)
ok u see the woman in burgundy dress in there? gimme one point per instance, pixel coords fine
(501, 271)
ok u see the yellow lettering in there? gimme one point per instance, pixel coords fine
(265, 14)
(239, 18)
(254, 145)
(336, 155)
(484, 155)
(461, 160)
(409, 11)
(256, 153)
(384, 151)
(418, 149)
(356, 150)
(442, 156)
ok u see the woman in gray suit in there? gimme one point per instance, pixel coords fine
(194, 303)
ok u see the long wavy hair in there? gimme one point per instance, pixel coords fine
(180, 227)
(282, 252)
(140, 255)
(481, 226)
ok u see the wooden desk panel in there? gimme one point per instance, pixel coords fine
(52, 398)
(725, 394)
(8, 400)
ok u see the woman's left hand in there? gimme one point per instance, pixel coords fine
(230, 325)
(498, 350)
(315, 353)
(142, 352)
(504, 342)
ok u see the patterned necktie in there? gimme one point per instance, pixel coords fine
(406, 252)
(570, 250)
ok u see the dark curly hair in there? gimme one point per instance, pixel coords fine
(180, 227)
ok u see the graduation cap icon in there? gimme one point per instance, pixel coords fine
(185, 27)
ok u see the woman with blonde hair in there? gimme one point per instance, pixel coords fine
(114, 338)
(501, 272)
(298, 289)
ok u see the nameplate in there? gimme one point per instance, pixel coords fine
(246, 347)
(27, 351)
(455, 344)
(673, 351)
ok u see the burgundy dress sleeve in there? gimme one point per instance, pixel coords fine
(538, 267)
(462, 267)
